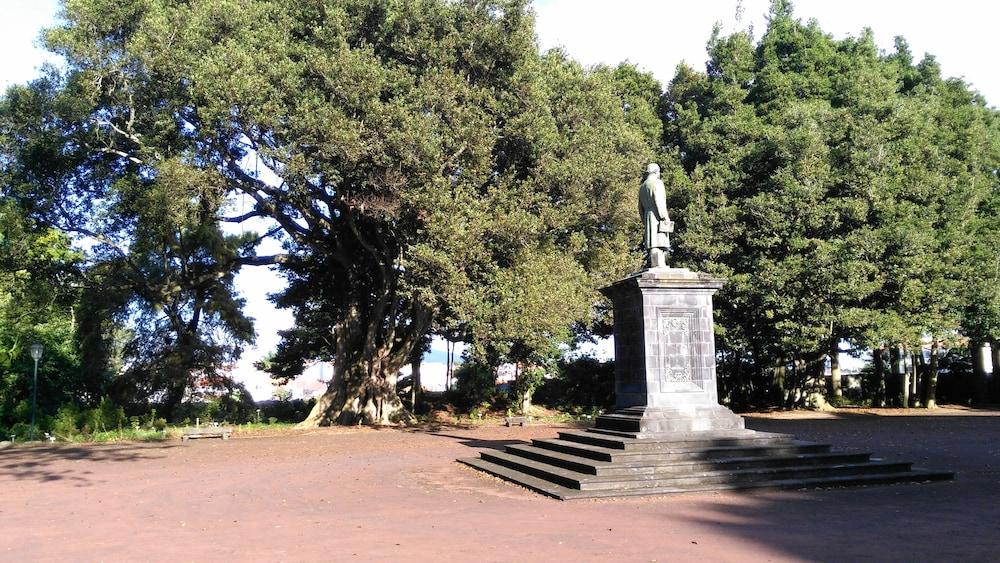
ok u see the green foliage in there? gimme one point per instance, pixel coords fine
(64, 426)
(106, 422)
(291, 410)
(427, 170)
(840, 192)
(20, 431)
(112, 416)
(424, 165)
(38, 274)
(580, 383)
(159, 262)
(475, 385)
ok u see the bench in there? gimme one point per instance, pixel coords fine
(210, 432)
(518, 420)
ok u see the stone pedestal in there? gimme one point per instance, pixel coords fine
(665, 354)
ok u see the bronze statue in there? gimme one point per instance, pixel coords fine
(657, 223)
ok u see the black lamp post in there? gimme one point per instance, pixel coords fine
(36, 354)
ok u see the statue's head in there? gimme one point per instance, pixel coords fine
(653, 169)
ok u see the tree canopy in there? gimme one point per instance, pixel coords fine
(428, 170)
(839, 190)
(424, 166)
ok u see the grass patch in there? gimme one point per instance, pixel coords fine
(129, 435)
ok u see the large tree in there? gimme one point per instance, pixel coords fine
(39, 292)
(425, 167)
(157, 260)
(834, 186)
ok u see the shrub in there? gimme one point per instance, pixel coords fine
(112, 417)
(525, 385)
(583, 383)
(64, 425)
(475, 384)
(294, 410)
(235, 407)
(21, 431)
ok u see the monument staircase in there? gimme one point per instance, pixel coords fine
(614, 459)
(670, 434)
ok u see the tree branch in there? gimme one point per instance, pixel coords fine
(244, 217)
(263, 260)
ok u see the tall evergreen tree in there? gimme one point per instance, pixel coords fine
(831, 185)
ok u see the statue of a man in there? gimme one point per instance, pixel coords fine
(653, 210)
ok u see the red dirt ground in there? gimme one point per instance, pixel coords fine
(391, 495)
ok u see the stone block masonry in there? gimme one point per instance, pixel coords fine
(665, 353)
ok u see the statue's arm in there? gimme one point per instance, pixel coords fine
(660, 199)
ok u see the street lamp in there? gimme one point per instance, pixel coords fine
(36, 354)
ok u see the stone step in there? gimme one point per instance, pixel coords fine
(565, 493)
(653, 466)
(739, 475)
(577, 480)
(531, 482)
(565, 477)
(674, 441)
(733, 434)
(601, 453)
(620, 422)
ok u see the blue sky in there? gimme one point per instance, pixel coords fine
(655, 35)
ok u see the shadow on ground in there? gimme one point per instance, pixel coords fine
(35, 463)
(478, 443)
(938, 521)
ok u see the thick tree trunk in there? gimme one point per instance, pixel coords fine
(995, 357)
(779, 384)
(795, 396)
(360, 394)
(978, 372)
(930, 380)
(173, 398)
(835, 382)
(816, 386)
(415, 387)
(450, 366)
(878, 358)
(900, 377)
(920, 389)
(905, 378)
(811, 389)
(523, 398)
(365, 371)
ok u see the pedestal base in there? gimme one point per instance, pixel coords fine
(654, 421)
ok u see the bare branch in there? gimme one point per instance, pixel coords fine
(244, 217)
(263, 260)
(130, 136)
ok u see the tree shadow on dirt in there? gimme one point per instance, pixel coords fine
(911, 522)
(49, 463)
(905, 522)
(477, 443)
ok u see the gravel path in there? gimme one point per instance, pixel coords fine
(391, 495)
